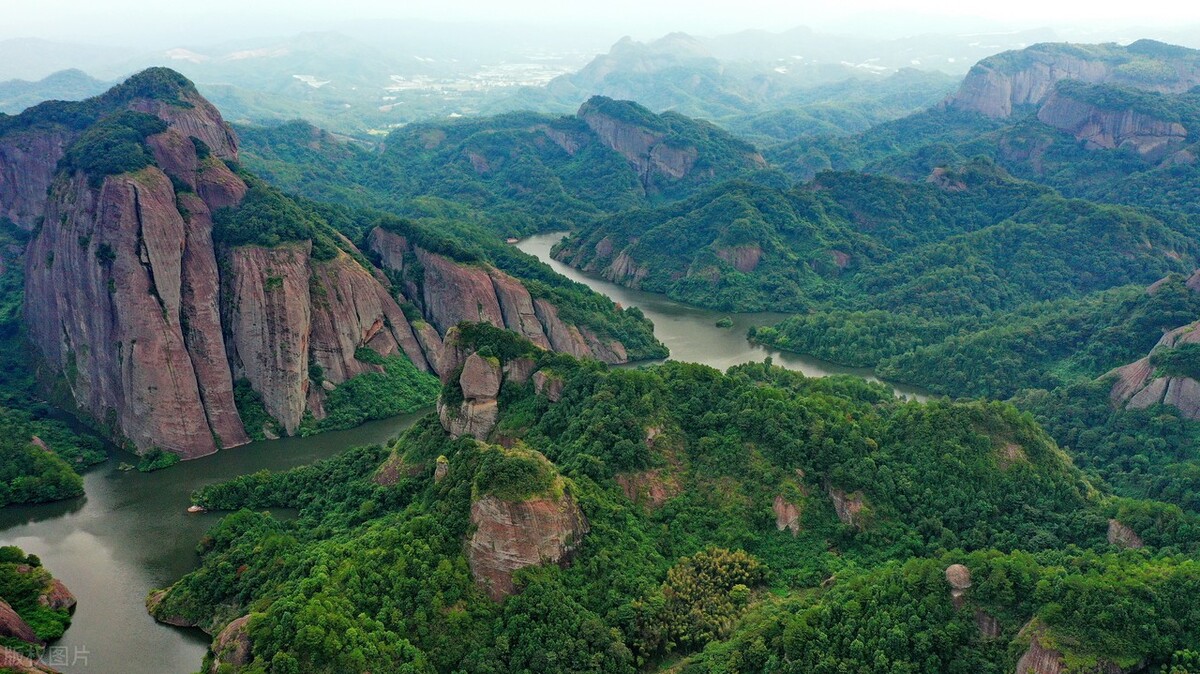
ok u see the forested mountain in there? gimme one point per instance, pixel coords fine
(685, 507)
(186, 306)
(517, 173)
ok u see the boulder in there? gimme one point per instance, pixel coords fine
(549, 385)
(480, 378)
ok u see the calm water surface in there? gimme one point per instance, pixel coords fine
(691, 333)
(131, 532)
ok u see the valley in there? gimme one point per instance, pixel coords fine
(668, 363)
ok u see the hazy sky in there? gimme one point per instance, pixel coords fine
(107, 20)
(111, 21)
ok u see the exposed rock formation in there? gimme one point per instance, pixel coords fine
(998, 84)
(649, 148)
(103, 303)
(154, 600)
(959, 578)
(987, 624)
(151, 324)
(269, 317)
(549, 385)
(848, 507)
(28, 160)
(1100, 128)
(511, 535)
(787, 515)
(14, 626)
(1122, 536)
(449, 292)
(1137, 387)
(477, 413)
(232, 645)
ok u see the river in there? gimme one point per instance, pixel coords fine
(131, 533)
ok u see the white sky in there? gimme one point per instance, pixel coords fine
(110, 21)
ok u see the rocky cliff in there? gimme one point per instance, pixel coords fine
(513, 534)
(657, 153)
(449, 292)
(999, 84)
(1103, 128)
(151, 319)
(1140, 384)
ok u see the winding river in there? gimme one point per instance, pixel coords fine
(131, 532)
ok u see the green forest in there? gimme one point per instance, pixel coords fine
(373, 574)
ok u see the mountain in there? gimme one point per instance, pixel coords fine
(617, 520)
(962, 243)
(998, 85)
(69, 85)
(1103, 122)
(188, 306)
(520, 172)
(34, 59)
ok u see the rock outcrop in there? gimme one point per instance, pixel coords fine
(999, 84)
(787, 515)
(648, 145)
(1138, 386)
(14, 626)
(151, 322)
(16, 663)
(449, 292)
(648, 488)
(1122, 536)
(1101, 128)
(959, 578)
(232, 645)
(511, 535)
(849, 507)
(476, 415)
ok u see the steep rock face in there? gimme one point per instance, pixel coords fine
(351, 309)
(1137, 387)
(104, 284)
(994, 91)
(848, 507)
(477, 413)
(269, 317)
(197, 118)
(517, 309)
(998, 84)
(649, 150)
(1110, 129)
(455, 293)
(28, 161)
(511, 535)
(1039, 659)
(449, 292)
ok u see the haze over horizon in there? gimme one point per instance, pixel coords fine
(126, 23)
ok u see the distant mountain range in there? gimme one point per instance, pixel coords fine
(370, 82)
